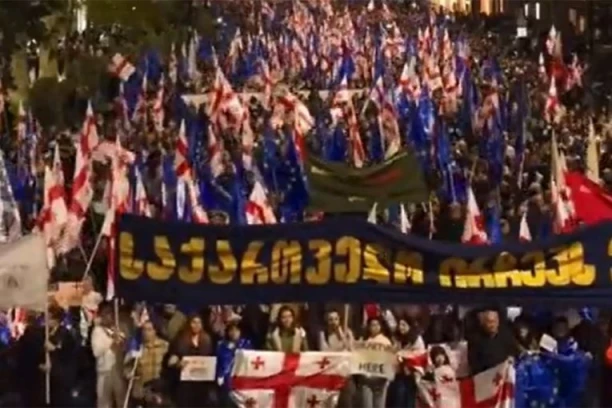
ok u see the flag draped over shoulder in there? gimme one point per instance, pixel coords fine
(282, 380)
(23, 273)
(337, 187)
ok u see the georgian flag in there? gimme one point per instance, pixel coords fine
(270, 379)
(258, 210)
(474, 231)
(419, 360)
(121, 67)
(493, 388)
(524, 232)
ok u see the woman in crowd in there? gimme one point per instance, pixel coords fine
(287, 336)
(403, 388)
(373, 391)
(336, 338)
(193, 341)
(150, 364)
(226, 351)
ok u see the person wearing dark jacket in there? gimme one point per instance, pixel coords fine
(193, 341)
(29, 370)
(491, 345)
(61, 347)
(591, 340)
(62, 365)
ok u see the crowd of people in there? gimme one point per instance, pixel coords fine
(98, 367)
(91, 347)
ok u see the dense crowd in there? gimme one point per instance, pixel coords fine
(101, 362)
(91, 354)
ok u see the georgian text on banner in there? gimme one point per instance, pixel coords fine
(353, 262)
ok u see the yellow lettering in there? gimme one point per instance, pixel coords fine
(373, 269)
(571, 265)
(535, 278)
(129, 268)
(348, 271)
(321, 273)
(453, 268)
(408, 265)
(195, 249)
(286, 262)
(224, 273)
(251, 271)
(478, 275)
(504, 271)
(161, 271)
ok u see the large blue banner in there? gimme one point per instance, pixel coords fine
(353, 261)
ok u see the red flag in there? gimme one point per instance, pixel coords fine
(592, 203)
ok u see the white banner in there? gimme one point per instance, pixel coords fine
(24, 273)
(374, 360)
(199, 368)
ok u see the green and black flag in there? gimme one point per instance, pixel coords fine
(339, 188)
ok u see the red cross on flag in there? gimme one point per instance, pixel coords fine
(270, 379)
(493, 388)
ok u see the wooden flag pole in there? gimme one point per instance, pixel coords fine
(116, 312)
(131, 383)
(347, 311)
(93, 255)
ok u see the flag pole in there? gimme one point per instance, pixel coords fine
(47, 357)
(347, 309)
(131, 383)
(116, 313)
(93, 255)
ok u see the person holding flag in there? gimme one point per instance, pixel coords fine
(149, 360)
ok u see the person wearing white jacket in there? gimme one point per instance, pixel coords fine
(107, 345)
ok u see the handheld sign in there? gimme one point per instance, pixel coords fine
(374, 360)
(199, 368)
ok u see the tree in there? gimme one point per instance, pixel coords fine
(23, 19)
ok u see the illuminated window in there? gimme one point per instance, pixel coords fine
(537, 11)
(526, 9)
(581, 24)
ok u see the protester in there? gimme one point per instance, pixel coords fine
(172, 321)
(108, 346)
(149, 363)
(62, 365)
(287, 336)
(485, 133)
(373, 391)
(336, 338)
(226, 350)
(407, 337)
(193, 341)
(491, 344)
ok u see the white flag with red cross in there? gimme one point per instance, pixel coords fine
(270, 379)
(493, 388)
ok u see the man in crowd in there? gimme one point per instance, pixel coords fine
(491, 344)
(108, 346)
